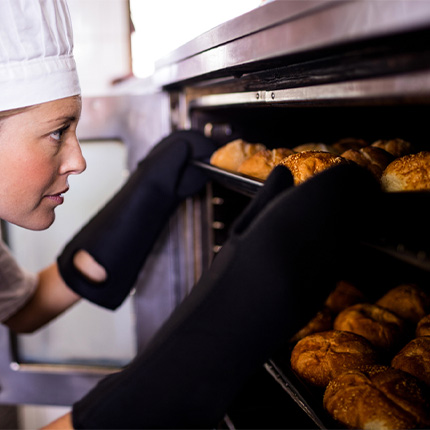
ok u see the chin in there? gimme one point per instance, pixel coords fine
(37, 224)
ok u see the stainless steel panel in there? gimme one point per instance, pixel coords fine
(323, 25)
(408, 87)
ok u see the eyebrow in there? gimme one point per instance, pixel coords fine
(66, 118)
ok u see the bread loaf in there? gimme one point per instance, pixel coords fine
(408, 173)
(414, 358)
(260, 164)
(423, 327)
(233, 154)
(304, 165)
(378, 397)
(407, 301)
(344, 295)
(378, 325)
(320, 357)
(312, 147)
(396, 147)
(373, 159)
(346, 143)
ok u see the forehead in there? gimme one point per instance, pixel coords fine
(68, 107)
(41, 118)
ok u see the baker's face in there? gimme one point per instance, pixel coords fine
(38, 151)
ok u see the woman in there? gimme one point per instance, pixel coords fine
(241, 309)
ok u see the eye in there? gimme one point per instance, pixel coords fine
(57, 135)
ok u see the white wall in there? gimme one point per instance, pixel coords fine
(163, 25)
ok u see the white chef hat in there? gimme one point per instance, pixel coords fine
(36, 53)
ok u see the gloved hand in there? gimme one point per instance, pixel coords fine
(122, 234)
(273, 273)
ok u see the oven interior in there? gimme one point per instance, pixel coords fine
(274, 398)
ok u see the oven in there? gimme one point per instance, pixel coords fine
(291, 73)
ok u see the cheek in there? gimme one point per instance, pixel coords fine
(25, 175)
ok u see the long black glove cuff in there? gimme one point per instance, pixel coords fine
(267, 279)
(122, 234)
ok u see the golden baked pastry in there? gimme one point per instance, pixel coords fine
(396, 147)
(260, 164)
(322, 321)
(408, 173)
(312, 147)
(414, 358)
(344, 295)
(407, 301)
(373, 159)
(423, 327)
(233, 154)
(304, 165)
(378, 325)
(346, 143)
(378, 397)
(320, 357)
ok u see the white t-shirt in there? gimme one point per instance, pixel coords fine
(16, 285)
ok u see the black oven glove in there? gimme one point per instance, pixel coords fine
(269, 277)
(122, 234)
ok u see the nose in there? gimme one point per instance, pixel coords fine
(74, 162)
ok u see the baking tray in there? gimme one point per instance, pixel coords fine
(309, 402)
(232, 180)
(405, 235)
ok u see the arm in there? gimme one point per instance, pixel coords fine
(62, 423)
(51, 298)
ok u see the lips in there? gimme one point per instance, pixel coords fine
(58, 197)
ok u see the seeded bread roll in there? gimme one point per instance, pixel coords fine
(423, 327)
(378, 325)
(407, 301)
(320, 357)
(414, 358)
(378, 397)
(262, 162)
(396, 147)
(408, 173)
(304, 165)
(373, 159)
(233, 154)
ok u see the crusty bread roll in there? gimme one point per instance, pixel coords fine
(233, 154)
(373, 159)
(378, 397)
(407, 301)
(312, 147)
(260, 164)
(322, 321)
(344, 295)
(304, 165)
(346, 143)
(396, 147)
(378, 325)
(414, 358)
(320, 357)
(408, 173)
(423, 326)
